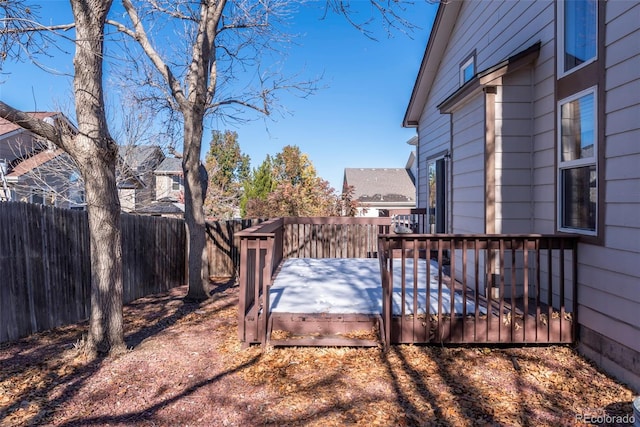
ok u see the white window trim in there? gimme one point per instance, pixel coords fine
(560, 45)
(173, 182)
(571, 164)
(470, 61)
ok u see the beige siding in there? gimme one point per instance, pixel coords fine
(526, 170)
(609, 274)
(127, 199)
(468, 168)
(478, 28)
(513, 192)
(164, 187)
(543, 147)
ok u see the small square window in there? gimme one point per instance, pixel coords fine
(467, 70)
(176, 182)
(37, 196)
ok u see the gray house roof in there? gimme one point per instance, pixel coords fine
(386, 185)
(170, 165)
(137, 155)
(162, 207)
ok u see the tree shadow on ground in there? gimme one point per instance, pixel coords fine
(162, 312)
(415, 416)
(46, 369)
(149, 412)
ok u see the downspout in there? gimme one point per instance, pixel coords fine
(449, 184)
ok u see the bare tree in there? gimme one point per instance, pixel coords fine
(92, 148)
(223, 39)
(220, 35)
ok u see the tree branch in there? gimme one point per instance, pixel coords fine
(139, 34)
(34, 29)
(37, 126)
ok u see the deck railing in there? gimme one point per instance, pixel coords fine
(479, 288)
(261, 253)
(436, 288)
(264, 246)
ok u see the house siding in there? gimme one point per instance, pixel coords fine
(18, 144)
(493, 42)
(468, 168)
(525, 162)
(513, 163)
(127, 198)
(608, 274)
(164, 189)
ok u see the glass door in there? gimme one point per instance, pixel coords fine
(437, 195)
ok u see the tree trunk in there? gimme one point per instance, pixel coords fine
(106, 333)
(194, 208)
(96, 154)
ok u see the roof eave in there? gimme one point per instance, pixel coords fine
(488, 76)
(440, 32)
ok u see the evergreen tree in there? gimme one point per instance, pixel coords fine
(256, 190)
(228, 168)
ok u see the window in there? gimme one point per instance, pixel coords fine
(578, 34)
(76, 196)
(467, 70)
(176, 182)
(76, 191)
(37, 197)
(578, 183)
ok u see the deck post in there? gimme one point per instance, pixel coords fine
(266, 283)
(243, 282)
(387, 284)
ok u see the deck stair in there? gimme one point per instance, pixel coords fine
(326, 330)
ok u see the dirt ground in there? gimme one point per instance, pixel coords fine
(186, 367)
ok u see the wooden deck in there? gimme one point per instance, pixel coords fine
(465, 289)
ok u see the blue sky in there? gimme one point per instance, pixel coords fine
(353, 120)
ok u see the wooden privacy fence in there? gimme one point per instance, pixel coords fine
(333, 237)
(321, 237)
(45, 275)
(223, 245)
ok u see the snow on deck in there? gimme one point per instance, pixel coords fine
(354, 285)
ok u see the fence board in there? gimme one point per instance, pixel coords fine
(45, 270)
(223, 246)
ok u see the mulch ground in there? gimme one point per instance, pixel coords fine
(186, 367)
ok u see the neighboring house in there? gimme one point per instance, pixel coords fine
(380, 190)
(34, 170)
(135, 175)
(528, 118)
(169, 189)
(169, 181)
